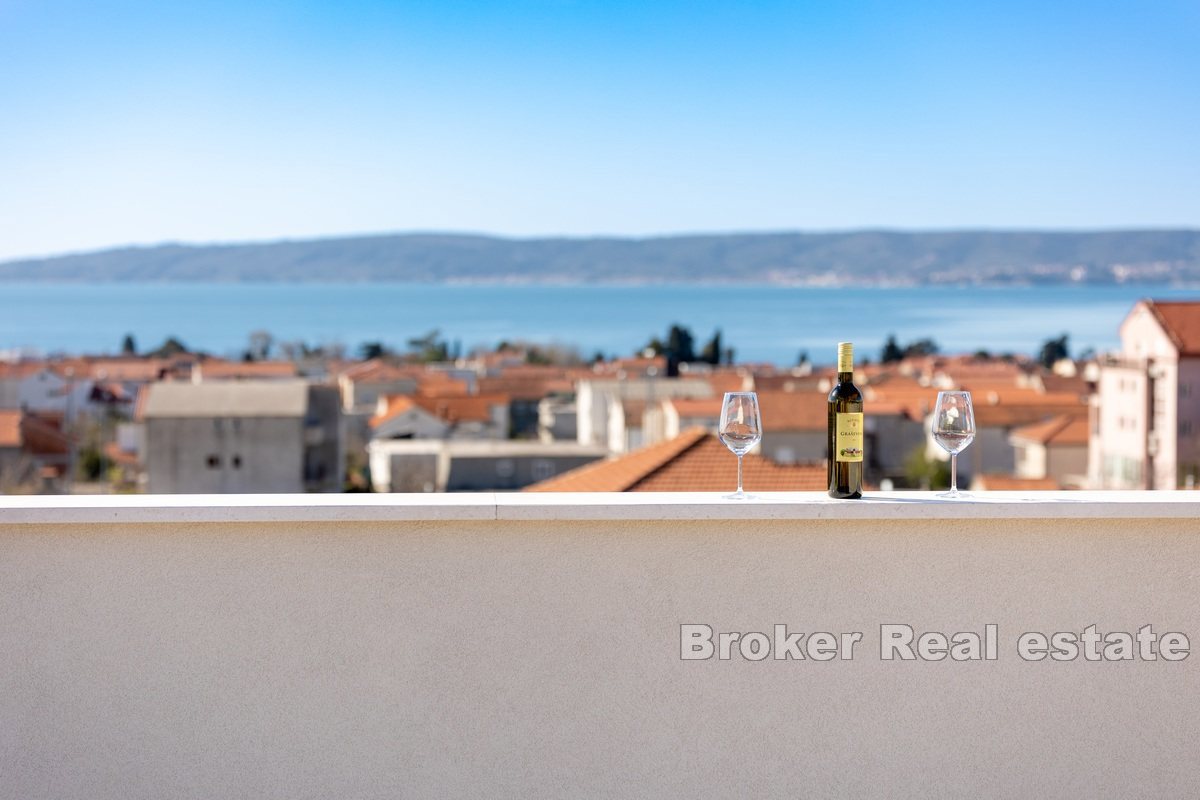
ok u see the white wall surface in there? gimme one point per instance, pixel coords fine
(381, 651)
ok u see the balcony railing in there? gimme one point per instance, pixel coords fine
(531, 645)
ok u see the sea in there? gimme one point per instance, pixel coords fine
(775, 324)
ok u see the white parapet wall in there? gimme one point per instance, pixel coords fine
(527, 646)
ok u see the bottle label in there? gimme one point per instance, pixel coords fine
(849, 437)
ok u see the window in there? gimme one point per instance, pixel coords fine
(505, 468)
(214, 462)
(542, 469)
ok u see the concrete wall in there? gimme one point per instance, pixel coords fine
(324, 454)
(1066, 461)
(523, 658)
(270, 450)
(792, 447)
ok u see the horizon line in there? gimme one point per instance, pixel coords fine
(450, 232)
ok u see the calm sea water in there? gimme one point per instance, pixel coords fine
(762, 323)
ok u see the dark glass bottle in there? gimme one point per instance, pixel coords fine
(845, 430)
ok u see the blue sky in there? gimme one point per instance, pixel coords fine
(138, 122)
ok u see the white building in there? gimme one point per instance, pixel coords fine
(604, 407)
(423, 465)
(1056, 449)
(466, 417)
(1146, 414)
(41, 387)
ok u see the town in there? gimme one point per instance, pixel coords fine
(523, 417)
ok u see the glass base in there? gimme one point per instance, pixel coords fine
(953, 494)
(739, 496)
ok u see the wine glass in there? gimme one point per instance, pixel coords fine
(740, 429)
(953, 430)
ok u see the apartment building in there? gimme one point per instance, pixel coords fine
(1145, 417)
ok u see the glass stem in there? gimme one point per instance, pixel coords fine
(739, 491)
(953, 473)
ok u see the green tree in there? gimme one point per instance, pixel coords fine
(259, 346)
(680, 349)
(128, 345)
(711, 353)
(921, 472)
(170, 347)
(921, 347)
(1054, 350)
(891, 351)
(655, 346)
(681, 344)
(370, 350)
(430, 347)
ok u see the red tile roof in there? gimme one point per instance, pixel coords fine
(1007, 483)
(114, 453)
(526, 387)
(39, 433)
(691, 408)
(1008, 416)
(10, 428)
(694, 461)
(21, 369)
(725, 380)
(229, 370)
(784, 382)
(127, 369)
(794, 411)
(379, 370)
(1181, 321)
(1069, 429)
(468, 408)
(439, 384)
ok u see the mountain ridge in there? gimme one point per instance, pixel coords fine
(877, 256)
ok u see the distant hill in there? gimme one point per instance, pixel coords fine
(857, 257)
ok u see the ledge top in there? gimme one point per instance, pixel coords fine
(122, 509)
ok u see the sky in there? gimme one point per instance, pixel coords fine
(140, 123)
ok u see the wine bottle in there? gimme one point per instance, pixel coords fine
(845, 430)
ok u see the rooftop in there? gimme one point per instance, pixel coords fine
(1181, 321)
(1063, 429)
(694, 461)
(270, 398)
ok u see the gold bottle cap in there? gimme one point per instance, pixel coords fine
(845, 357)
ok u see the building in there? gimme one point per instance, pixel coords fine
(605, 407)
(217, 370)
(1056, 449)
(682, 413)
(694, 461)
(557, 419)
(242, 436)
(34, 451)
(453, 417)
(1146, 414)
(362, 384)
(38, 386)
(424, 465)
